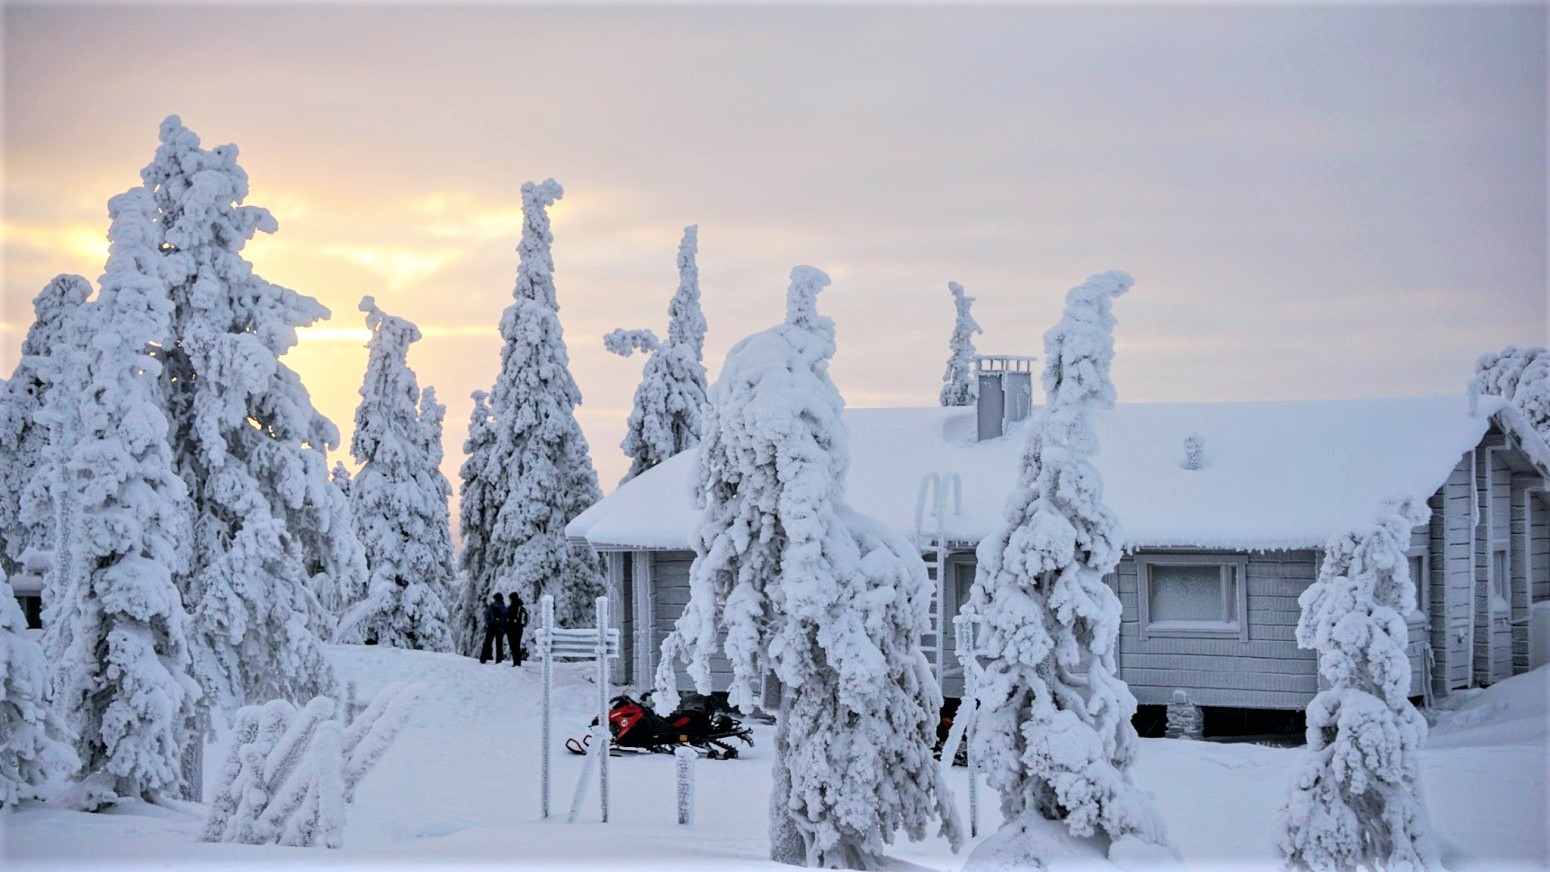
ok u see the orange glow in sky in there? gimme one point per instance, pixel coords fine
(1316, 202)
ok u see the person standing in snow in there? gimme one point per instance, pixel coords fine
(494, 628)
(516, 622)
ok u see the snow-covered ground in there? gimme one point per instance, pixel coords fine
(461, 787)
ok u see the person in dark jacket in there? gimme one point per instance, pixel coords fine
(494, 629)
(516, 622)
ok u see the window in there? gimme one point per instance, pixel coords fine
(32, 609)
(1193, 595)
(1499, 581)
(1422, 581)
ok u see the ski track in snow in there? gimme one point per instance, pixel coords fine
(461, 787)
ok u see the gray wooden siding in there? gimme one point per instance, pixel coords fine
(1266, 671)
(1539, 548)
(1492, 652)
(670, 594)
(621, 597)
(1460, 563)
(1522, 552)
(1437, 615)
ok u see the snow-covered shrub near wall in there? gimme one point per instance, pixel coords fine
(833, 604)
(291, 772)
(1521, 376)
(34, 743)
(1054, 727)
(1357, 800)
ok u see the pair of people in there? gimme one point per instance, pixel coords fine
(503, 623)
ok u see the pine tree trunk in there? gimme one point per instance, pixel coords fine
(787, 844)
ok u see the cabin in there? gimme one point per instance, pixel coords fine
(1215, 556)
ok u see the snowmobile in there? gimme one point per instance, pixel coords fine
(701, 722)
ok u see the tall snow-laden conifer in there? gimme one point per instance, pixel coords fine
(124, 679)
(1054, 732)
(25, 507)
(537, 469)
(960, 386)
(433, 415)
(830, 601)
(35, 745)
(395, 499)
(1522, 377)
(668, 403)
(1357, 801)
(478, 505)
(249, 444)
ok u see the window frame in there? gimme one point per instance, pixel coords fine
(1501, 579)
(1423, 592)
(1238, 596)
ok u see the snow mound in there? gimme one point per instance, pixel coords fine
(1511, 712)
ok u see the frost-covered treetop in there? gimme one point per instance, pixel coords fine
(54, 308)
(686, 322)
(535, 274)
(802, 300)
(1079, 349)
(626, 342)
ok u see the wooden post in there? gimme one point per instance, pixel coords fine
(603, 733)
(545, 650)
(685, 757)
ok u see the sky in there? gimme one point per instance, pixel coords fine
(1316, 201)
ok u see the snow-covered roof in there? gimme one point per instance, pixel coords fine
(1276, 475)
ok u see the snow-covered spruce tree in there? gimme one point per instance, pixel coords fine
(35, 745)
(960, 385)
(1522, 377)
(249, 444)
(124, 679)
(830, 601)
(395, 499)
(536, 469)
(671, 395)
(24, 433)
(1054, 733)
(478, 505)
(433, 415)
(1357, 799)
(340, 476)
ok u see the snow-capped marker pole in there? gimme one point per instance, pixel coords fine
(545, 650)
(600, 732)
(685, 756)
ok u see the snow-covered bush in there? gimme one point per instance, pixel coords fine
(960, 385)
(291, 772)
(1357, 800)
(398, 499)
(35, 745)
(669, 401)
(829, 601)
(123, 680)
(533, 471)
(23, 432)
(1054, 733)
(249, 444)
(1521, 376)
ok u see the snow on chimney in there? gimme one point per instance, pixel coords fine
(1005, 392)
